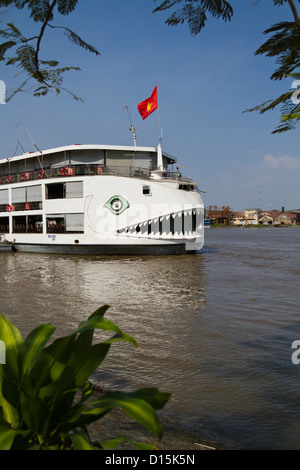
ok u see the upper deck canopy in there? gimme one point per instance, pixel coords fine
(88, 147)
(77, 159)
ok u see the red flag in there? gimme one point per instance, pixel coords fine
(149, 105)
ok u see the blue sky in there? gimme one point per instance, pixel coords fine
(204, 85)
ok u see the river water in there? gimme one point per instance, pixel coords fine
(215, 329)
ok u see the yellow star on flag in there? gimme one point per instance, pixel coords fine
(149, 105)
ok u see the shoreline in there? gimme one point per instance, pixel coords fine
(117, 423)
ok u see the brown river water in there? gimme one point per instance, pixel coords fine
(215, 329)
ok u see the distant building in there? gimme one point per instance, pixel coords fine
(219, 215)
(266, 219)
(238, 218)
(252, 216)
(280, 218)
(226, 216)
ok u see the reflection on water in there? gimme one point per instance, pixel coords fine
(67, 289)
(215, 329)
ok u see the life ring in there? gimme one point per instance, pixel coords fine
(25, 176)
(64, 171)
(8, 179)
(8, 208)
(99, 170)
(41, 173)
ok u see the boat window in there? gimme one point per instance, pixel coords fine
(34, 193)
(18, 195)
(4, 224)
(70, 190)
(19, 224)
(55, 191)
(28, 224)
(74, 189)
(65, 223)
(75, 223)
(4, 200)
(147, 190)
(27, 198)
(56, 223)
(34, 224)
(186, 187)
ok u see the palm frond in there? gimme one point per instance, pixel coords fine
(285, 46)
(66, 6)
(40, 10)
(4, 47)
(73, 37)
(26, 58)
(194, 12)
(165, 5)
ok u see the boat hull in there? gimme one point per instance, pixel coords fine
(106, 249)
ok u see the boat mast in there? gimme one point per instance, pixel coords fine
(132, 128)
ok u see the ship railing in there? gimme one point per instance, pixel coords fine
(85, 170)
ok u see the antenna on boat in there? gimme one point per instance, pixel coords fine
(34, 145)
(132, 128)
(21, 123)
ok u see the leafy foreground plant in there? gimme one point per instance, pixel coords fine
(44, 390)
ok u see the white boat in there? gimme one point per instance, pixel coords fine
(97, 199)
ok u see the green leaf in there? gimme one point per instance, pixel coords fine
(34, 412)
(51, 364)
(98, 322)
(8, 412)
(34, 344)
(87, 392)
(290, 116)
(81, 441)
(81, 366)
(73, 37)
(136, 408)
(14, 31)
(7, 436)
(4, 47)
(12, 339)
(66, 6)
(40, 400)
(153, 396)
(100, 312)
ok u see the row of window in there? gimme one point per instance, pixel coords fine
(56, 223)
(30, 197)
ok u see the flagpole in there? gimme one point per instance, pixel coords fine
(159, 147)
(158, 122)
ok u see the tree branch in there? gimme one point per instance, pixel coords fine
(295, 13)
(38, 44)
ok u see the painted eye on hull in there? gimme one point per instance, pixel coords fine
(117, 204)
